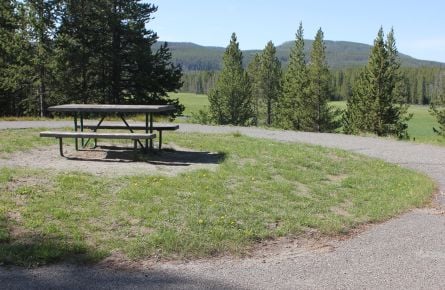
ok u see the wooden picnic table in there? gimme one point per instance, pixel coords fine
(79, 111)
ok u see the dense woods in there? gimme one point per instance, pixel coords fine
(424, 84)
(58, 51)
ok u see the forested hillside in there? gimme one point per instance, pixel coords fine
(339, 54)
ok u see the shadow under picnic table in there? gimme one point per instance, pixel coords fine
(169, 157)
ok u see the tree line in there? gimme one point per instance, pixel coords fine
(424, 84)
(297, 98)
(80, 51)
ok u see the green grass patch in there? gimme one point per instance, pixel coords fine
(21, 139)
(420, 127)
(192, 102)
(261, 190)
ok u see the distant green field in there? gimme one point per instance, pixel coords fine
(420, 127)
(192, 102)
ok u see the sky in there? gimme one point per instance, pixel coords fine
(419, 26)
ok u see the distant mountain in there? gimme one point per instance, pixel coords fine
(340, 54)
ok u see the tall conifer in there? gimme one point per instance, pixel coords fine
(376, 105)
(253, 72)
(320, 117)
(270, 77)
(42, 19)
(291, 103)
(230, 99)
(105, 54)
(15, 54)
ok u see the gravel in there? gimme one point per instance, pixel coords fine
(407, 251)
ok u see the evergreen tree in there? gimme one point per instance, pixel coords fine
(230, 100)
(15, 52)
(320, 117)
(437, 108)
(81, 46)
(41, 18)
(376, 103)
(291, 106)
(105, 54)
(8, 27)
(253, 70)
(270, 80)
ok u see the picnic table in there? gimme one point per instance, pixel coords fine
(80, 110)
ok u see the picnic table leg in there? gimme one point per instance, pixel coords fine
(146, 130)
(61, 147)
(151, 130)
(129, 128)
(75, 129)
(95, 130)
(81, 130)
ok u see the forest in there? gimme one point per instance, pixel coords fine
(423, 84)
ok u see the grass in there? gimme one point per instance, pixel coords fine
(192, 102)
(261, 190)
(420, 127)
(21, 139)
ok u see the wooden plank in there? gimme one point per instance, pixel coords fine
(133, 126)
(63, 134)
(97, 108)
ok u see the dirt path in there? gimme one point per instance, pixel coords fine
(408, 251)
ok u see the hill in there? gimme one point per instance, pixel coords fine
(340, 54)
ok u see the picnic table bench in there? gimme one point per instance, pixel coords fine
(134, 126)
(64, 134)
(103, 110)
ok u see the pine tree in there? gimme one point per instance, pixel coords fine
(320, 117)
(253, 70)
(270, 80)
(15, 53)
(437, 109)
(376, 105)
(41, 17)
(8, 26)
(291, 107)
(230, 99)
(80, 52)
(439, 112)
(105, 54)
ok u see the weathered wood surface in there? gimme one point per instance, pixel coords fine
(138, 126)
(114, 135)
(96, 108)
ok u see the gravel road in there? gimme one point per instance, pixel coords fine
(405, 252)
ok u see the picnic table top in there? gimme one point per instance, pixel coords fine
(97, 108)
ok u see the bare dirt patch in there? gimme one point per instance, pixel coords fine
(112, 161)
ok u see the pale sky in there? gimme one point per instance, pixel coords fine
(419, 25)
